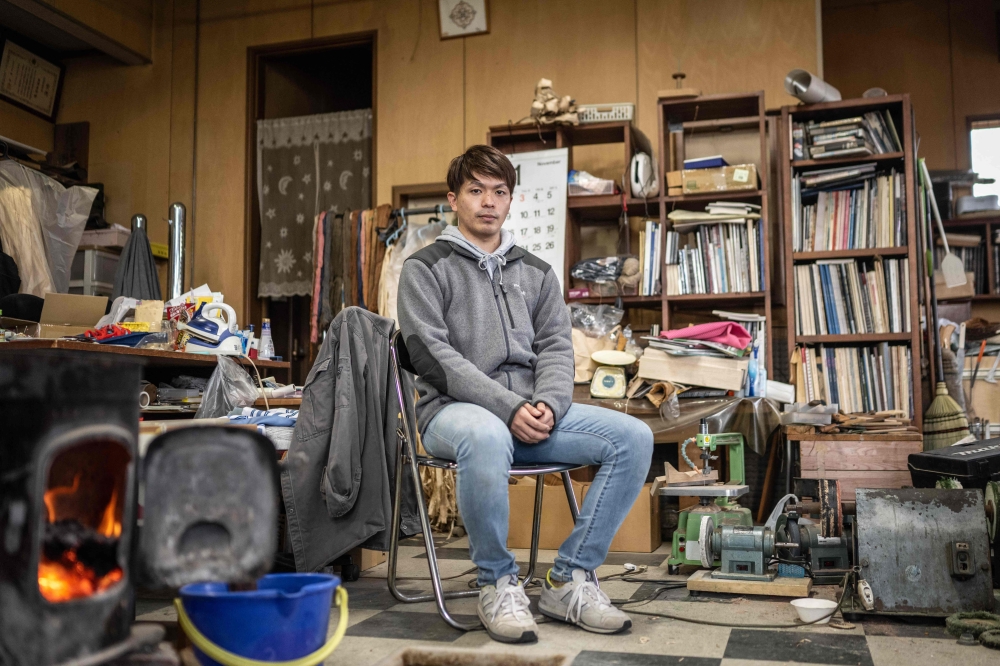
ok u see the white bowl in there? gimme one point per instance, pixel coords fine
(810, 610)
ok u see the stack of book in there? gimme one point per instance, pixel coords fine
(874, 133)
(851, 297)
(858, 379)
(649, 259)
(996, 262)
(849, 208)
(716, 252)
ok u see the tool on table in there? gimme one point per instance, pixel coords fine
(212, 334)
(609, 379)
(975, 372)
(724, 511)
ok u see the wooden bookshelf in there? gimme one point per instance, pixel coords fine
(719, 114)
(904, 162)
(587, 210)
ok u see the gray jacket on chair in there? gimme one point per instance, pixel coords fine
(489, 329)
(338, 478)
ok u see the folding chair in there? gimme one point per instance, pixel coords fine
(406, 456)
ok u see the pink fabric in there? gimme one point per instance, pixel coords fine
(318, 247)
(722, 332)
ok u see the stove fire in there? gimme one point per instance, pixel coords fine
(83, 526)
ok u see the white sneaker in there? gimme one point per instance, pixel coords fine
(582, 603)
(503, 609)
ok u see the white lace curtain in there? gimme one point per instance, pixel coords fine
(306, 165)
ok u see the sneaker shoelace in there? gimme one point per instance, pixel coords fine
(512, 600)
(579, 600)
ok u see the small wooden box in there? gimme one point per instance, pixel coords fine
(858, 461)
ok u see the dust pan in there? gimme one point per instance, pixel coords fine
(951, 266)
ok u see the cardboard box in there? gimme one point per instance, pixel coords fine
(944, 292)
(719, 179)
(70, 314)
(639, 533)
(674, 179)
(366, 559)
(557, 521)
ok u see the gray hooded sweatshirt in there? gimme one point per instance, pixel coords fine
(489, 329)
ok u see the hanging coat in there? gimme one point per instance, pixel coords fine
(338, 478)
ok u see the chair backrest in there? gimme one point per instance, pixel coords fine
(398, 347)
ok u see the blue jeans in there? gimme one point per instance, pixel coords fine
(484, 449)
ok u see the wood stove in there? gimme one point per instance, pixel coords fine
(68, 426)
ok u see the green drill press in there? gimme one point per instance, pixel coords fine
(716, 500)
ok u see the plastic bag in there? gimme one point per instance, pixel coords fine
(595, 320)
(229, 386)
(58, 214)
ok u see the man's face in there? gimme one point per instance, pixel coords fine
(482, 204)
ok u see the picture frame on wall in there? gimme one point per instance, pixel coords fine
(463, 18)
(30, 81)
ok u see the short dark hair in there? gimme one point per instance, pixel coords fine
(480, 160)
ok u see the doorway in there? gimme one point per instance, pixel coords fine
(290, 80)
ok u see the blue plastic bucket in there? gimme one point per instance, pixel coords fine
(285, 618)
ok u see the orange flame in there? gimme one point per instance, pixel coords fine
(68, 578)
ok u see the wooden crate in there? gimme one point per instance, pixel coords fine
(858, 461)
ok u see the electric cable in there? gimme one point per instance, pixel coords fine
(260, 383)
(681, 618)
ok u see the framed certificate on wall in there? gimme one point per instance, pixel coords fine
(30, 81)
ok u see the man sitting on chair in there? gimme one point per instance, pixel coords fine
(487, 329)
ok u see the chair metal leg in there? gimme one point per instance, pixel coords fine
(574, 508)
(536, 525)
(407, 455)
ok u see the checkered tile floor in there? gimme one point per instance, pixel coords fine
(379, 625)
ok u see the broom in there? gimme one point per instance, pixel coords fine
(944, 421)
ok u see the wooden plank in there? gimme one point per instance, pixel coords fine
(701, 581)
(842, 437)
(852, 480)
(279, 402)
(823, 456)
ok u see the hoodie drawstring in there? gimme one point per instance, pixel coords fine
(501, 262)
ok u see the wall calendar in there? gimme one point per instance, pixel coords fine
(537, 216)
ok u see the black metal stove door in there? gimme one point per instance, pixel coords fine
(211, 507)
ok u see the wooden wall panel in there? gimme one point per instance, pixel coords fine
(433, 97)
(911, 56)
(976, 67)
(128, 22)
(18, 124)
(722, 46)
(129, 113)
(221, 149)
(585, 47)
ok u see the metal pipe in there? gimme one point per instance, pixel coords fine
(175, 268)
(139, 222)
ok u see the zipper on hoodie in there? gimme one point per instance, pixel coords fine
(503, 324)
(503, 290)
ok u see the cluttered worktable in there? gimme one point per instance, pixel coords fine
(159, 365)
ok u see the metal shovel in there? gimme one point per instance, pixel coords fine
(951, 266)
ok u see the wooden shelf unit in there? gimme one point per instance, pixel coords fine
(900, 108)
(988, 225)
(718, 114)
(586, 210)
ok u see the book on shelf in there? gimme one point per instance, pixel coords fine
(650, 254)
(852, 297)
(715, 259)
(711, 162)
(756, 326)
(848, 209)
(873, 133)
(856, 378)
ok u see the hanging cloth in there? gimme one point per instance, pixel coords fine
(306, 165)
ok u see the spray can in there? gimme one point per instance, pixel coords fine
(266, 344)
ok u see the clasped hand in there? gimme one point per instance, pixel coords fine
(532, 424)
